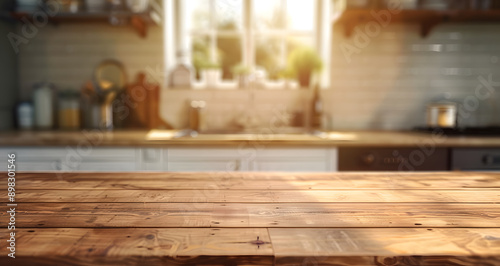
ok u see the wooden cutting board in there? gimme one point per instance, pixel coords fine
(142, 100)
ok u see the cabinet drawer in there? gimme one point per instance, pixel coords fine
(293, 153)
(203, 153)
(290, 166)
(107, 166)
(111, 153)
(208, 165)
(42, 152)
(54, 165)
(34, 152)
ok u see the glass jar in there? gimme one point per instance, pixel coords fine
(69, 110)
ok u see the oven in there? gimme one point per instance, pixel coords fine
(393, 159)
(475, 159)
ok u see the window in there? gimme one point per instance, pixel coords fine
(256, 34)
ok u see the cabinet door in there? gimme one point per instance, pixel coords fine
(33, 159)
(301, 159)
(47, 165)
(290, 165)
(72, 159)
(105, 160)
(205, 160)
(153, 159)
(107, 166)
(205, 165)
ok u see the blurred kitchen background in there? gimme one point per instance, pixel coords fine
(386, 83)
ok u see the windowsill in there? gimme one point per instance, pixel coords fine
(233, 85)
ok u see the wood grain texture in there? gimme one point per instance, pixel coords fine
(258, 196)
(215, 219)
(256, 215)
(132, 246)
(261, 181)
(386, 246)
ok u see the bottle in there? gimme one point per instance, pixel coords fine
(43, 101)
(25, 116)
(197, 119)
(316, 109)
(182, 75)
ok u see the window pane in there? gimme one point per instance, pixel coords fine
(229, 14)
(230, 54)
(197, 14)
(269, 55)
(300, 15)
(200, 51)
(268, 14)
(294, 42)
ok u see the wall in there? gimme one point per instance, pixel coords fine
(389, 82)
(67, 54)
(386, 86)
(8, 76)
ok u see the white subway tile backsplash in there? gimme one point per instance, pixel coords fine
(387, 85)
(67, 54)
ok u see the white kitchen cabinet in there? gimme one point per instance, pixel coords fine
(264, 159)
(295, 160)
(205, 165)
(206, 160)
(33, 159)
(289, 165)
(153, 159)
(104, 159)
(71, 159)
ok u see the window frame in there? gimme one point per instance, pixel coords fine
(320, 35)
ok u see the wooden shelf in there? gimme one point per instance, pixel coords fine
(139, 21)
(427, 19)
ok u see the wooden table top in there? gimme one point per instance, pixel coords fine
(254, 219)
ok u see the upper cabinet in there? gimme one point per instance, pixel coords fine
(428, 14)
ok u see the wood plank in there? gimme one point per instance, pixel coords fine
(130, 246)
(386, 246)
(260, 176)
(258, 196)
(255, 215)
(211, 181)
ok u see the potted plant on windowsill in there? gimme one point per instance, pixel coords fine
(211, 74)
(302, 63)
(242, 74)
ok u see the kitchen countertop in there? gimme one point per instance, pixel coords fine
(158, 138)
(254, 219)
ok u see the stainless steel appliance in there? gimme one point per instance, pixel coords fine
(471, 159)
(475, 159)
(492, 131)
(393, 159)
